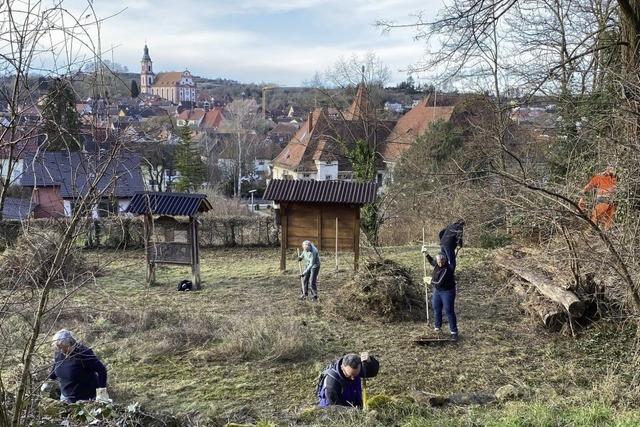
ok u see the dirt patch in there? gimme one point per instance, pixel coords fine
(383, 290)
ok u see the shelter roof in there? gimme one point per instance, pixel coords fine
(340, 192)
(176, 204)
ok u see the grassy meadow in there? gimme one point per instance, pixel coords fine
(245, 350)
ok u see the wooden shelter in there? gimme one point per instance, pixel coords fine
(169, 240)
(325, 212)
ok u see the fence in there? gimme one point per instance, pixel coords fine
(127, 233)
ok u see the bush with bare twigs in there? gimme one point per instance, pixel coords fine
(31, 261)
(383, 290)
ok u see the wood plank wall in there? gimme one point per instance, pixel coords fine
(317, 223)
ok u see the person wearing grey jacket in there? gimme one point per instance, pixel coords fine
(309, 275)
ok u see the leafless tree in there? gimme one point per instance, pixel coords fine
(46, 39)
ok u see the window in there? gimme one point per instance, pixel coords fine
(107, 207)
(306, 175)
(328, 177)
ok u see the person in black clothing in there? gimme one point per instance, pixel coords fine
(340, 384)
(81, 374)
(444, 293)
(450, 239)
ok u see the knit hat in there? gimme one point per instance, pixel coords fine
(63, 334)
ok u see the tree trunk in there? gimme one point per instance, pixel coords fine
(571, 303)
(551, 314)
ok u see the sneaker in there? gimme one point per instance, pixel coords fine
(454, 337)
(303, 297)
(436, 330)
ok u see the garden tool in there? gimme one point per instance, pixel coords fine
(300, 270)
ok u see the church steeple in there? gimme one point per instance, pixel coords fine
(146, 71)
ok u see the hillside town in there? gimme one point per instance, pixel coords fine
(319, 213)
(240, 144)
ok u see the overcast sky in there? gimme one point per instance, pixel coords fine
(280, 41)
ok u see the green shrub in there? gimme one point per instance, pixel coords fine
(493, 240)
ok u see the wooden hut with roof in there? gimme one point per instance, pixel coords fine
(168, 239)
(324, 212)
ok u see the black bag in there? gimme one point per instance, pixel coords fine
(185, 285)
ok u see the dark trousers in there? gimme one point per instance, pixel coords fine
(450, 253)
(311, 278)
(445, 299)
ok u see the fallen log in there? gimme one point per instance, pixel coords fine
(543, 284)
(551, 315)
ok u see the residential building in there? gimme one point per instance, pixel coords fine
(58, 179)
(318, 150)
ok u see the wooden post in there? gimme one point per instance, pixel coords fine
(283, 238)
(195, 252)
(319, 232)
(336, 244)
(356, 238)
(151, 268)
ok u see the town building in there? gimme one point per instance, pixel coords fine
(175, 86)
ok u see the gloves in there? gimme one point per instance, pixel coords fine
(426, 280)
(424, 249)
(364, 356)
(102, 396)
(581, 203)
(301, 276)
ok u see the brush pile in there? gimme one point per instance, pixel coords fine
(561, 297)
(383, 290)
(30, 263)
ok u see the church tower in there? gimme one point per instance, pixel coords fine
(146, 72)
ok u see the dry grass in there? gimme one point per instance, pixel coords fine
(244, 349)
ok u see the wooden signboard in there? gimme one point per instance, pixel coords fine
(170, 253)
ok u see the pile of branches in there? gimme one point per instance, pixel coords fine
(31, 261)
(383, 290)
(559, 296)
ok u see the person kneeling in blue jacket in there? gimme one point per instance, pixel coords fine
(341, 382)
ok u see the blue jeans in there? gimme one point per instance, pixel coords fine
(445, 299)
(450, 253)
(311, 278)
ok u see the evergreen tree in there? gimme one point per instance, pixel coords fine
(188, 162)
(135, 91)
(61, 122)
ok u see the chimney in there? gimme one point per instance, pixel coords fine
(310, 122)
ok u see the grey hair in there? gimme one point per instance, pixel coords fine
(352, 360)
(64, 337)
(441, 257)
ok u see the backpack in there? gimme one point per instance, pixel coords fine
(185, 285)
(320, 382)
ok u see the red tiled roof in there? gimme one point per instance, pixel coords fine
(192, 115)
(410, 126)
(171, 78)
(212, 119)
(360, 108)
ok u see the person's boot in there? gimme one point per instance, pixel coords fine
(303, 297)
(437, 330)
(454, 336)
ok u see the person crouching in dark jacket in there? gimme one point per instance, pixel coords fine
(444, 293)
(81, 374)
(341, 383)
